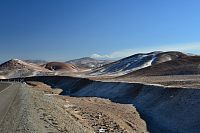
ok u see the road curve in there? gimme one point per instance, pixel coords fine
(8, 92)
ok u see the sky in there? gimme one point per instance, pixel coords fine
(61, 30)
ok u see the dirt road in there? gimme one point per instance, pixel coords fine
(36, 109)
(8, 92)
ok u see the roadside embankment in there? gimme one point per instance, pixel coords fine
(165, 109)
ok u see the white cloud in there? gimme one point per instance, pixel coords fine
(186, 47)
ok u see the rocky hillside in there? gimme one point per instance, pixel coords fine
(165, 109)
(188, 65)
(136, 62)
(19, 64)
(18, 68)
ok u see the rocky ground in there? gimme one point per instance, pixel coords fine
(188, 81)
(38, 109)
(103, 115)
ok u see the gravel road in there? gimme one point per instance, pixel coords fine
(37, 110)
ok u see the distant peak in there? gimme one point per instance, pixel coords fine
(86, 58)
(15, 60)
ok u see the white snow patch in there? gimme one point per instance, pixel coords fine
(2, 77)
(124, 66)
(68, 105)
(31, 65)
(35, 73)
(50, 94)
(102, 130)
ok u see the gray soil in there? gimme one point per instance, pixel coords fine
(37, 111)
(34, 112)
(165, 109)
(189, 81)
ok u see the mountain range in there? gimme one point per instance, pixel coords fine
(156, 63)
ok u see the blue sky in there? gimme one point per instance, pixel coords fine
(68, 29)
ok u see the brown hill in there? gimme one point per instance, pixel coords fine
(18, 68)
(60, 66)
(186, 65)
(14, 64)
(136, 62)
(167, 56)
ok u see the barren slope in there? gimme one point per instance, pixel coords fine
(60, 66)
(188, 65)
(36, 109)
(17, 68)
(165, 109)
(136, 62)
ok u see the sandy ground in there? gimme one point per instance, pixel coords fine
(188, 81)
(192, 81)
(38, 110)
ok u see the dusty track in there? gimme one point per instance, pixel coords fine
(8, 93)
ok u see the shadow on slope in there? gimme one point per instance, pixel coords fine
(189, 65)
(165, 109)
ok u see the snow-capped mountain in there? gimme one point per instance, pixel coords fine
(136, 62)
(187, 65)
